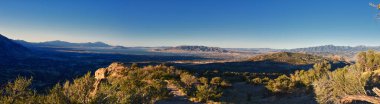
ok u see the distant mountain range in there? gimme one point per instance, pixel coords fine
(18, 47)
(334, 49)
(325, 50)
(58, 43)
(9, 48)
(316, 49)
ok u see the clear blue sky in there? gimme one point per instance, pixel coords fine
(222, 23)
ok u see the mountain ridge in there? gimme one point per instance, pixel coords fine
(60, 43)
(333, 48)
(11, 49)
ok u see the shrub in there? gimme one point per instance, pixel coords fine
(56, 96)
(368, 61)
(349, 81)
(216, 81)
(256, 81)
(265, 80)
(18, 92)
(206, 93)
(79, 90)
(339, 83)
(140, 85)
(188, 79)
(225, 84)
(282, 84)
(203, 80)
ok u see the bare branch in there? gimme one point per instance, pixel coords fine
(351, 98)
(377, 91)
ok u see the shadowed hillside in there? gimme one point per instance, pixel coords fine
(291, 58)
(10, 49)
(64, 44)
(283, 62)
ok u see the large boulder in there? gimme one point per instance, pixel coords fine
(115, 70)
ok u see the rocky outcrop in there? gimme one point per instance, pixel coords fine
(115, 70)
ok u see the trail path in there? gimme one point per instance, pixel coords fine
(178, 96)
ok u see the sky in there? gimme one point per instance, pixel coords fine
(222, 23)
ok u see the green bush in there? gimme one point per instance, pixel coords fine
(257, 81)
(216, 81)
(139, 85)
(339, 83)
(282, 84)
(368, 61)
(188, 79)
(18, 92)
(79, 90)
(203, 80)
(208, 93)
(351, 80)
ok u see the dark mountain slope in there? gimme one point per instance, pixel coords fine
(288, 57)
(281, 62)
(10, 49)
(58, 43)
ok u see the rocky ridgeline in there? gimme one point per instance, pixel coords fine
(117, 71)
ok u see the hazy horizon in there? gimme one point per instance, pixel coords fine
(227, 24)
(190, 44)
